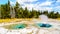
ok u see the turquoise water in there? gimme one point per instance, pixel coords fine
(22, 25)
(19, 26)
(16, 26)
(44, 25)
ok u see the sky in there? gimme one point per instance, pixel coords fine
(49, 5)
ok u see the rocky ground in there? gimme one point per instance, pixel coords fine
(55, 29)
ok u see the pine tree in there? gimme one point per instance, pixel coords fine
(17, 6)
(0, 11)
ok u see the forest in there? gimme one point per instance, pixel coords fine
(16, 11)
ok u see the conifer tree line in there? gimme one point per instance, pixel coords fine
(16, 11)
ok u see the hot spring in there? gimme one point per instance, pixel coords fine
(16, 26)
(44, 22)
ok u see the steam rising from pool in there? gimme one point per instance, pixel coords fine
(43, 18)
(44, 21)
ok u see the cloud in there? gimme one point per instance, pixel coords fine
(46, 3)
(36, 6)
(57, 0)
(39, 4)
(43, 8)
(23, 1)
(26, 0)
(57, 7)
(29, 6)
(12, 3)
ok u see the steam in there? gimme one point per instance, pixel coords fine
(43, 18)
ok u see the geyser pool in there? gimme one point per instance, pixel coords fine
(19, 26)
(43, 25)
(43, 21)
(16, 26)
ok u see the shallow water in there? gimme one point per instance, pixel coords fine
(44, 25)
(16, 26)
(19, 26)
